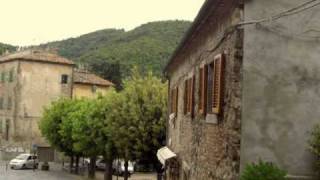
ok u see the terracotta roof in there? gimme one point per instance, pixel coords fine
(36, 55)
(85, 77)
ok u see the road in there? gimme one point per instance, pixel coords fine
(56, 173)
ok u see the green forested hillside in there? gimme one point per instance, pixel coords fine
(112, 52)
(5, 47)
(148, 46)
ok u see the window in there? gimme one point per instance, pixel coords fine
(202, 90)
(7, 129)
(3, 77)
(186, 96)
(1, 102)
(64, 79)
(189, 96)
(174, 101)
(215, 84)
(1, 126)
(211, 86)
(9, 105)
(217, 90)
(11, 75)
(94, 89)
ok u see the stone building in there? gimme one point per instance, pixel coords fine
(29, 81)
(243, 86)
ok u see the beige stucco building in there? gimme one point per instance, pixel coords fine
(87, 84)
(29, 81)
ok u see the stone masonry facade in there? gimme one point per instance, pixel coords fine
(208, 147)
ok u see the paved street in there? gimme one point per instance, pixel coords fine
(56, 173)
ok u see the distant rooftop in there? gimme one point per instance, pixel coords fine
(36, 55)
(86, 77)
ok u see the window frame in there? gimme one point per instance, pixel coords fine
(1, 103)
(189, 96)
(64, 79)
(174, 101)
(219, 72)
(9, 103)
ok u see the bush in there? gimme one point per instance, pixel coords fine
(314, 143)
(263, 171)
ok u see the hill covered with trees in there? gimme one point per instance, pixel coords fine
(106, 52)
(111, 53)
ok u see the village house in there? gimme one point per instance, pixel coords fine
(29, 81)
(89, 85)
(244, 86)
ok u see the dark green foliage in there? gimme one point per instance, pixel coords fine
(314, 143)
(56, 127)
(107, 70)
(148, 47)
(112, 53)
(5, 47)
(263, 171)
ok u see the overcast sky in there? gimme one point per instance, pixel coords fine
(31, 22)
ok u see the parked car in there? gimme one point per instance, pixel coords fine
(24, 161)
(118, 167)
(100, 164)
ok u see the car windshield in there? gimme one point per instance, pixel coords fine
(22, 157)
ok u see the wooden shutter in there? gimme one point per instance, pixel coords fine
(203, 90)
(186, 96)
(173, 100)
(217, 95)
(176, 101)
(191, 96)
(210, 88)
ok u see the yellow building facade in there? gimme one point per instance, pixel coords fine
(89, 85)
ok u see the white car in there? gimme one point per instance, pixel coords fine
(24, 161)
(118, 167)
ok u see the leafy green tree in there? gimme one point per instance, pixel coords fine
(139, 118)
(90, 131)
(55, 126)
(108, 70)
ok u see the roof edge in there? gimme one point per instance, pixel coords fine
(196, 23)
(96, 84)
(39, 61)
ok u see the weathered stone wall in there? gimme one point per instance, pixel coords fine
(8, 92)
(281, 93)
(40, 84)
(34, 87)
(209, 148)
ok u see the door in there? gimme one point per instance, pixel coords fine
(30, 162)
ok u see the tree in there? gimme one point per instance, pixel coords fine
(55, 126)
(108, 70)
(90, 131)
(139, 119)
(102, 120)
(76, 126)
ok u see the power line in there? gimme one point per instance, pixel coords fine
(295, 10)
